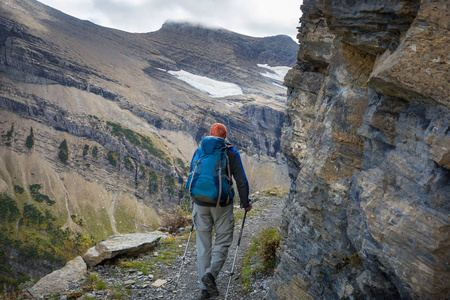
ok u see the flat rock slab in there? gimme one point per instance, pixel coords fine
(125, 244)
(159, 283)
(59, 281)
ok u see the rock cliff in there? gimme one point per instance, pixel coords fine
(98, 125)
(368, 143)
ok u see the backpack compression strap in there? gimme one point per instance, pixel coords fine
(190, 184)
(220, 184)
(230, 181)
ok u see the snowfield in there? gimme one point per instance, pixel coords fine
(213, 87)
(276, 73)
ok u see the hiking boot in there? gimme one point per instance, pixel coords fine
(210, 283)
(204, 295)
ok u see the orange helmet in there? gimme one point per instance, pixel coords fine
(218, 130)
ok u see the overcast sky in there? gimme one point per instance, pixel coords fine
(257, 18)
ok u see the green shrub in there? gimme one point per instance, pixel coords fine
(32, 215)
(101, 285)
(152, 182)
(34, 188)
(95, 151)
(10, 132)
(63, 154)
(183, 166)
(112, 158)
(77, 220)
(18, 189)
(49, 216)
(8, 209)
(170, 184)
(92, 280)
(174, 219)
(142, 172)
(11, 282)
(30, 139)
(260, 257)
(129, 165)
(85, 150)
(8, 135)
(38, 197)
(95, 283)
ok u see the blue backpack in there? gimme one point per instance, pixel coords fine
(208, 181)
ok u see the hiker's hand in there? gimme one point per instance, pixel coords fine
(249, 207)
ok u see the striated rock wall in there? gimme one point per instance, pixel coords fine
(367, 140)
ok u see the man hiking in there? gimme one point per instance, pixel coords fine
(210, 185)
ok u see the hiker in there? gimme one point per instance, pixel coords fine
(208, 212)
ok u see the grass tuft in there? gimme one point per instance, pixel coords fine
(260, 257)
(276, 191)
(94, 282)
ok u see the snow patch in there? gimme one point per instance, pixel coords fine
(276, 73)
(213, 87)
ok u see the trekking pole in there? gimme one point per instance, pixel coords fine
(184, 256)
(235, 254)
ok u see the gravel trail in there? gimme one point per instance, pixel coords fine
(267, 212)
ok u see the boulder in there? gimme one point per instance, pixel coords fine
(418, 69)
(125, 244)
(60, 280)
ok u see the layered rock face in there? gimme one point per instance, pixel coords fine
(368, 143)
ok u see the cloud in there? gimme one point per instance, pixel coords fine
(250, 17)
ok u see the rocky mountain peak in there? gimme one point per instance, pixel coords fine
(275, 50)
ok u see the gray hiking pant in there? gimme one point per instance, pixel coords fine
(209, 259)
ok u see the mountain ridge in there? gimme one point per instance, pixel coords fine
(111, 131)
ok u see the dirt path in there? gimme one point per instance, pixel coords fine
(267, 212)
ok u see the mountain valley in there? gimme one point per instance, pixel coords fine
(98, 126)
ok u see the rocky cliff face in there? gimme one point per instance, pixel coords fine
(368, 143)
(97, 129)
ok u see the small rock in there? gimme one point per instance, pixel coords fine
(159, 282)
(75, 294)
(129, 282)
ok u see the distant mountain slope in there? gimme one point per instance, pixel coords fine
(221, 53)
(98, 125)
